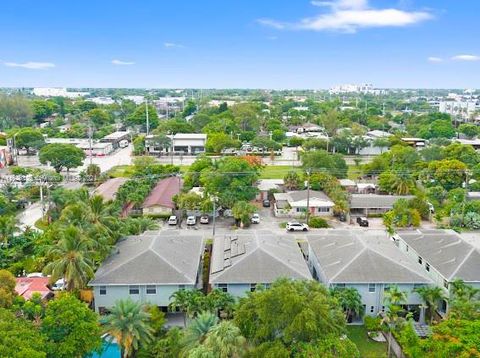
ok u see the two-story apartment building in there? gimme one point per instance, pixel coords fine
(366, 260)
(443, 255)
(148, 268)
(239, 263)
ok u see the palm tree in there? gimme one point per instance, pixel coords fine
(71, 259)
(402, 183)
(180, 300)
(390, 319)
(197, 331)
(394, 296)
(430, 295)
(226, 340)
(128, 323)
(350, 300)
(461, 290)
(7, 227)
(218, 301)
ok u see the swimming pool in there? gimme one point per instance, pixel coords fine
(109, 350)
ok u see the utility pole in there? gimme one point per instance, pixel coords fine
(214, 214)
(90, 140)
(466, 194)
(146, 115)
(309, 171)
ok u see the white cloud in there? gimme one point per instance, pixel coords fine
(466, 58)
(31, 65)
(435, 59)
(172, 45)
(122, 63)
(349, 16)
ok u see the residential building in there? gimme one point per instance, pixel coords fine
(267, 185)
(180, 143)
(443, 254)
(415, 142)
(148, 268)
(294, 203)
(108, 189)
(160, 199)
(366, 260)
(98, 148)
(240, 263)
(27, 286)
(57, 92)
(373, 204)
(115, 138)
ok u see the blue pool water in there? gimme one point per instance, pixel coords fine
(109, 350)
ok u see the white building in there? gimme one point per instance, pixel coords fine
(57, 92)
(366, 260)
(459, 108)
(294, 203)
(102, 100)
(365, 88)
(180, 143)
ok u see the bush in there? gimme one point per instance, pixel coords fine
(318, 223)
(372, 324)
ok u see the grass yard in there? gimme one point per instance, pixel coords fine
(277, 171)
(121, 171)
(367, 347)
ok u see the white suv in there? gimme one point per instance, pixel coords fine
(191, 220)
(295, 226)
(255, 219)
(172, 220)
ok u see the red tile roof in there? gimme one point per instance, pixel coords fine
(27, 286)
(163, 192)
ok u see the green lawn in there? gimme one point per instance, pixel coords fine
(277, 171)
(367, 347)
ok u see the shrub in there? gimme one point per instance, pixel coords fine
(318, 223)
(372, 324)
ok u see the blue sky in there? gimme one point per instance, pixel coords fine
(240, 43)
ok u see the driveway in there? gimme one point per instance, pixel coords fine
(29, 216)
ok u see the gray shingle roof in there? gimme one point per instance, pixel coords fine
(152, 259)
(362, 256)
(256, 259)
(446, 251)
(367, 201)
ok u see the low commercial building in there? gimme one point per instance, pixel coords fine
(442, 254)
(373, 204)
(160, 199)
(115, 138)
(148, 268)
(366, 260)
(294, 203)
(180, 143)
(240, 263)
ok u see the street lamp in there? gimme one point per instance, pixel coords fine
(214, 199)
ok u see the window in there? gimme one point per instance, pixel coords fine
(103, 290)
(323, 209)
(151, 290)
(406, 248)
(427, 266)
(420, 260)
(253, 286)
(223, 287)
(445, 284)
(372, 308)
(340, 285)
(133, 290)
(386, 288)
(371, 287)
(383, 308)
(417, 285)
(181, 287)
(267, 285)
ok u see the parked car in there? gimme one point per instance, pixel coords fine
(59, 285)
(123, 143)
(191, 220)
(266, 203)
(204, 219)
(362, 221)
(172, 220)
(255, 219)
(296, 226)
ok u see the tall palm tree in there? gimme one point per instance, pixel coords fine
(180, 300)
(402, 183)
(71, 259)
(226, 340)
(461, 290)
(7, 227)
(350, 300)
(128, 323)
(218, 301)
(394, 296)
(430, 295)
(197, 331)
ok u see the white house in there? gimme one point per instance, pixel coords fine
(366, 260)
(294, 203)
(148, 268)
(240, 263)
(442, 254)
